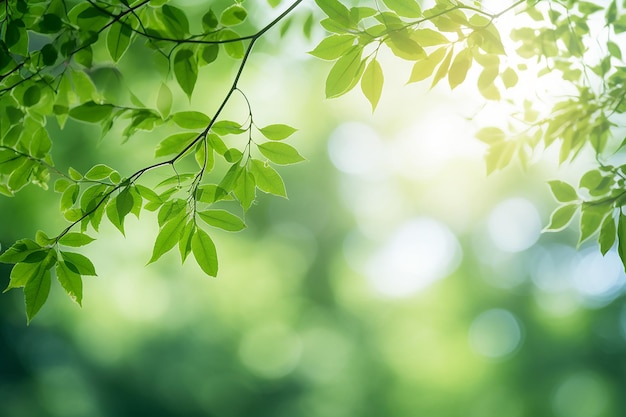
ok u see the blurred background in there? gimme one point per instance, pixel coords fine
(398, 279)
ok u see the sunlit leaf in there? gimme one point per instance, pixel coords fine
(372, 82)
(562, 191)
(204, 251)
(280, 153)
(168, 236)
(345, 73)
(561, 217)
(76, 239)
(277, 131)
(222, 219)
(267, 179)
(78, 263)
(607, 236)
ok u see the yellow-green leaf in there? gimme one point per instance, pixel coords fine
(372, 82)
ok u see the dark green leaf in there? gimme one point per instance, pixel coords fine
(78, 263)
(36, 293)
(186, 70)
(91, 112)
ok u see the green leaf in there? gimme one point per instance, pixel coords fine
(50, 23)
(186, 70)
(606, 239)
(233, 49)
(191, 119)
(280, 153)
(210, 193)
(69, 197)
(118, 39)
(404, 47)
(209, 20)
(345, 73)
(424, 68)
(233, 15)
(71, 282)
(372, 82)
(78, 263)
(76, 239)
(184, 244)
(36, 293)
(490, 135)
(168, 236)
(91, 112)
(99, 172)
(210, 53)
(19, 251)
(406, 8)
(170, 210)
(428, 37)
(591, 219)
(124, 203)
(204, 251)
(174, 144)
(334, 46)
(267, 179)
(222, 219)
(611, 15)
(614, 49)
(561, 217)
(233, 155)
(458, 70)
(245, 190)
(563, 192)
(277, 131)
(335, 11)
(31, 96)
(621, 238)
(509, 78)
(164, 100)
(175, 20)
(49, 54)
(443, 68)
(226, 127)
(24, 272)
(42, 238)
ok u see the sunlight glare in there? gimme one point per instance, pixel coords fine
(419, 253)
(495, 333)
(514, 225)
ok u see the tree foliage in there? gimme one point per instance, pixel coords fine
(49, 48)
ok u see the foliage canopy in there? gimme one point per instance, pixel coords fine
(50, 50)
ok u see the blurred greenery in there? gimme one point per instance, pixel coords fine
(398, 279)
